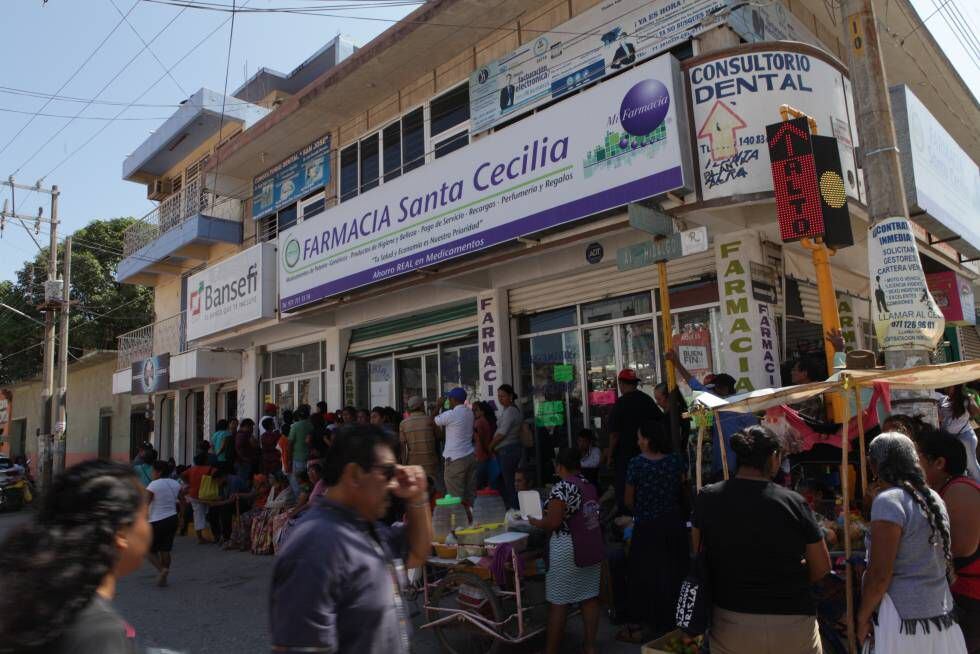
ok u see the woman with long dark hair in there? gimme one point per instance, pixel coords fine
(943, 459)
(60, 570)
(484, 426)
(506, 442)
(763, 549)
(906, 604)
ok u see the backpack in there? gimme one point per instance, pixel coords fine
(585, 526)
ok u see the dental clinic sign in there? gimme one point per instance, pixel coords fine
(736, 93)
(233, 292)
(621, 141)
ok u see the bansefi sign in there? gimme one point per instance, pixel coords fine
(233, 292)
(621, 141)
(734, 97)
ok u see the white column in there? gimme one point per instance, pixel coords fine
(338, 340)
(494, 342)
(209, 412)
(248, 386)
(180, 409)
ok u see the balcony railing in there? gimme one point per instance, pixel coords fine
(191, 200)
(167, 335)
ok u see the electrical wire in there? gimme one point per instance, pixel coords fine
(149, 49)
(77, 117)
(70, 77)
(103, 89)
(224, 94)
(923, 22)
(10, 90)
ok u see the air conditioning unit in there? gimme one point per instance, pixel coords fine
(159, 189)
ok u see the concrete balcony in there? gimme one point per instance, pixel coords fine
(177, 235)
(189, 366)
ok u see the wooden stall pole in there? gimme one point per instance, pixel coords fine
(862, 452)
(699, 455)
(846, 494)
(721, 444)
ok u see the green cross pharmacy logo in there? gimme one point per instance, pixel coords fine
(291, 253)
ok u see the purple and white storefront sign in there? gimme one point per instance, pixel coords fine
(623, 140)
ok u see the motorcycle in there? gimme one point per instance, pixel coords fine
(16, 488)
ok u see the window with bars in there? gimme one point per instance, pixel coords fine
(401, 146)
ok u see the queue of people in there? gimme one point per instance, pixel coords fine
(344, 500)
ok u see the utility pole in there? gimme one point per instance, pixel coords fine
(880, 159)
(61, 421)
(50, 304)
(47, 389)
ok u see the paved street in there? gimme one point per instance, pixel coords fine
(216, 604)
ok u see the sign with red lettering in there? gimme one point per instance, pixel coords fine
(794, 179)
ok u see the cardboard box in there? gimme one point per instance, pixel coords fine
(659, 645)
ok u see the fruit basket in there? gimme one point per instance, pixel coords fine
(676, 642)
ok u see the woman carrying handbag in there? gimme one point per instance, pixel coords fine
(575, 551)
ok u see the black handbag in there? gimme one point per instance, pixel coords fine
(693, 615)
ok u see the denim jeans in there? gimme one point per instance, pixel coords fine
(509, 458)
(298, 465)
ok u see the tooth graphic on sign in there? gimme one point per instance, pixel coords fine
(719, 128)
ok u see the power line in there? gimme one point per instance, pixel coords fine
(923, 22)
(70, 78)
(102, 90)
(148, 48)
(10, 90)
(224, 94)
(76, 117)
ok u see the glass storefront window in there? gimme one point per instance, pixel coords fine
(305, 358)
(553, 391)
(547, 321)
(614, 308)
(459, 366)
(640, 352)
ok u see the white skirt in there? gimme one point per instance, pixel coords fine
(889, 638)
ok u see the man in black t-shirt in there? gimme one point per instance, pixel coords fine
(631, 410)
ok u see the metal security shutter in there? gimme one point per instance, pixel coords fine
(419, 329)
(606, 281)
(810, 298)
(969, 339)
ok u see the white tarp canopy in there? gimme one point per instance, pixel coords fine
(922, 377)
(764, 398)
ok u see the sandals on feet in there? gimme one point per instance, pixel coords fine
(630, 634)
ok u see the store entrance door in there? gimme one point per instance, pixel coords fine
(609, 349)
(417, 374)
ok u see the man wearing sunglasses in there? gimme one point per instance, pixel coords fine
(336, 581)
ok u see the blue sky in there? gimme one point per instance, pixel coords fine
(44, 44)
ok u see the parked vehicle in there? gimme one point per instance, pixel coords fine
(15, 486)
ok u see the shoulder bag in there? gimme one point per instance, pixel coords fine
(693, 615)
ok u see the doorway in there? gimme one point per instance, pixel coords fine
(609, 349)
(417, 374)
(18, 438)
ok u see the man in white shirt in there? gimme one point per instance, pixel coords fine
(459, 453)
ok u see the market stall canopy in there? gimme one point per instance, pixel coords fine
(763, 398)
(923, 377)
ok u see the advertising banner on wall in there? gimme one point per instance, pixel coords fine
(621, 141)
(944, 180)
(734, 97)
(954, 297)
(151, 375)
(748, 348)
(233, 292)
(903, 311)
(598, 42)
(693, 344)
(770, 22)
(291, 179)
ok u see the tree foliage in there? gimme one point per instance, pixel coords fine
(102, 309)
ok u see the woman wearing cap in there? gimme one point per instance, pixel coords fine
(417, 435)
(906, 604)
(763, 549)
(506, 443)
